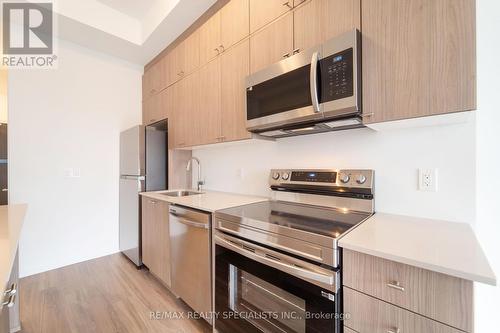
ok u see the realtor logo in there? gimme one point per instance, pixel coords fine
(28, 34)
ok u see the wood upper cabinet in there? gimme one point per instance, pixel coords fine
(156, 238)
(235, 67)
(319, 20)
(185, 111)
(210, 39)
(271, 44)
(153, 109)
(234, 20)
(263, 12)
(208, 123)
(153, 80)
(418, 58)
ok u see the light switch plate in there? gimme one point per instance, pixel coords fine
(428, 180)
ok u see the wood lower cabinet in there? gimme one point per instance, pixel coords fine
(235, 66)
(418, 58)
(370, 315)
(319, 20)
(435, 296)
(156, 238)
(272, 44)
(234, 20)
(263, 12)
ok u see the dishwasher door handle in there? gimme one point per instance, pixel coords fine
(190, 223)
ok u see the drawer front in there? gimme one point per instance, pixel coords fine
(370, 315)
(438, 296)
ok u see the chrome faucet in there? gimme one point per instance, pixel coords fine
(200, 182)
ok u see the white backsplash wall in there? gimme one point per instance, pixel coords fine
(395, 155)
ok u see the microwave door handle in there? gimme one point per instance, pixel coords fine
(313, 76)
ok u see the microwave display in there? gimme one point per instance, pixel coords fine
(337, 76)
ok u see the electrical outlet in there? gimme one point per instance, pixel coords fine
(428, 180)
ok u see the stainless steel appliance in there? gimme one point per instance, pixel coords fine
(4, 188)
(143, 167)
(191, 257)
(316, 90)
(277, 263)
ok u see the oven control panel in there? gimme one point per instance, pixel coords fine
(352, 178)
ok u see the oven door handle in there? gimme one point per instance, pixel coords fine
(324, 278)
(313, 77)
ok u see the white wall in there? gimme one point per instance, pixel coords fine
(395, 155)
(488, 159)
(69, 117)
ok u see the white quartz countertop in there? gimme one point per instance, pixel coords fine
(208, 201)
(11, 222)
(445, 247)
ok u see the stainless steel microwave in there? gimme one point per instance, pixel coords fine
(313, 91)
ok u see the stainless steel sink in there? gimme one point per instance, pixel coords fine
(181, 193)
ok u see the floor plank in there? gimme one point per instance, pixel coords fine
(107, 295)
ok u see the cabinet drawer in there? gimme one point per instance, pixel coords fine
(370, 315)
(438, 296)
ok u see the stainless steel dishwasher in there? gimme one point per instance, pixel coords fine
(190, 257)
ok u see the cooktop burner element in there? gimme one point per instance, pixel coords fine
(310, 211)
(324, 221)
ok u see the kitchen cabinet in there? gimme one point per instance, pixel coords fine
(156, 238)
(235, 67)
(184, 58)
(418, 58)
(234, 20)
(153, 80)
(271, 44)
(264, 12)
(396, 290)
(154, 109)
(210, 39)
(313, 23)
(207, 125)
(185, 111)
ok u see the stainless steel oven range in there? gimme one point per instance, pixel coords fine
(277, 263)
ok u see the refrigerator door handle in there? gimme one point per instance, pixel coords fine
(129, 177)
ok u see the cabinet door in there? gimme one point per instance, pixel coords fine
(263, 12)
(418, 58)
(156, 238)
(152, 110)
(210, 40)
(235, 67)
(191, 53)
(234, 22)
(271, 44)
(208, 122)
(320, 20)
(185, 110)
(151, 81)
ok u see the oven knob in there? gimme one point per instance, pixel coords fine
(285, 176)
(344, 178)
(276, 175)
(361, 179)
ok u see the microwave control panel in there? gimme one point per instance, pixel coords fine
(337, 76)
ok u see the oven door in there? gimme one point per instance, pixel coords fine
(284, 93)
(261, 290)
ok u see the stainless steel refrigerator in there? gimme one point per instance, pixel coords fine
(143, 167)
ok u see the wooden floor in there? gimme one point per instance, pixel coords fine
(103, 295)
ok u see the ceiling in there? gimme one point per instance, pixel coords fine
(137, 9)
(133, 30)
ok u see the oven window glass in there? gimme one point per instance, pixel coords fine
(250, 295)
(286, 92)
